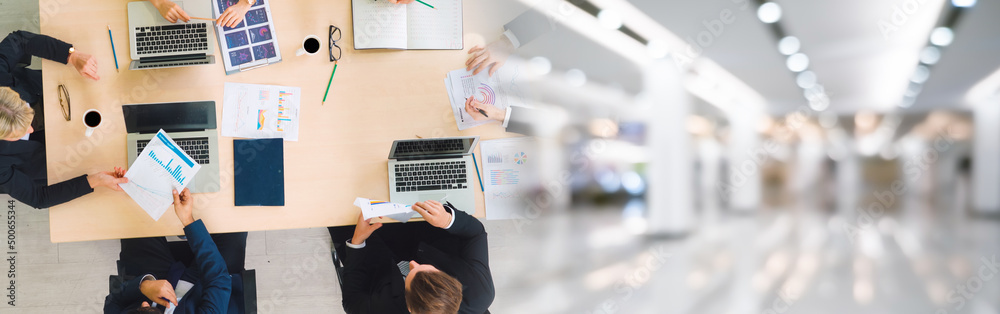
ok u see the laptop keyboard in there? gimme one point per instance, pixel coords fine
(430, 146)
(428, 176)
(171, 64)
(171, 38)
(197, 148)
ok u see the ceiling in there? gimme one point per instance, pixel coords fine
(859, 66)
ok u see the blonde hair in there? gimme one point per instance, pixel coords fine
(15, 115)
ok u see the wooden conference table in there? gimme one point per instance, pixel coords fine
(377, 96)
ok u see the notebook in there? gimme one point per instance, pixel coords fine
(379, 24)
(260, 172)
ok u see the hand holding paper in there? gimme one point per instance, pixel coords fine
(372, 208)
(161, 168)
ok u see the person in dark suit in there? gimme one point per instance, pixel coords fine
(437, 266)
(200, 275)
(22, 153)
(15, 55)
(23, 172)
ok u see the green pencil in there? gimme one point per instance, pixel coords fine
(425, 3)
(330, 82)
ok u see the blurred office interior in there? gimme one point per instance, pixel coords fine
(752, 156)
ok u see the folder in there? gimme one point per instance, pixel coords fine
(260, 172)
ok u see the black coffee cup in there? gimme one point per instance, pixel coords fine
(92, 119)
(310, 45)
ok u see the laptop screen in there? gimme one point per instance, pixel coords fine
(171, 117)
(452, 146)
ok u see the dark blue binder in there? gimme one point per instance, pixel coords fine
(260, 172)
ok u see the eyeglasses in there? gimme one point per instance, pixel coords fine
(335, 36)
(64, 101)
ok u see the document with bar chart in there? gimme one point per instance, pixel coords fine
(261, 111)
(161, 168)
(508, 170)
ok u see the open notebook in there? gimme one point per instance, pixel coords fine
(379, 24)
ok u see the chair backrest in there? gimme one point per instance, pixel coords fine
(338, 265)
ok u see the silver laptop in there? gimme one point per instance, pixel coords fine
(190, 124)
(155, 43)
(434, 169)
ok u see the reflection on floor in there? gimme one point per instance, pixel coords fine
(782, 261)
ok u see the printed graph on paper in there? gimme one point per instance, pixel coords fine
(261, 111)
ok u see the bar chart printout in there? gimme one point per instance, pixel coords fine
(161, 168)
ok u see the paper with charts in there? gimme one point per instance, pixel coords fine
(381, 24)
(250, 44)
(372, 208)
(161, 168)
(260, 111)
(508, 171)
(500, 90)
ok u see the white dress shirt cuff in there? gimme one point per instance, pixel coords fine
(356, 246)
(452, 221)
(513, 38)
(147, 277)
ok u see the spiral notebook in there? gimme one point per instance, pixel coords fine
(379, 24)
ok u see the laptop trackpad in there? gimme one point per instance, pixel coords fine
(430, 196)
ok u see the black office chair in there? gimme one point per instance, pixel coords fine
(248, 284)
(338, 264)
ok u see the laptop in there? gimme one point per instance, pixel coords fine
(433, 169)
(155, 43)
(190, 124)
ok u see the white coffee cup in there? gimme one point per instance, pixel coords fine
(92, 119)
(311, 42)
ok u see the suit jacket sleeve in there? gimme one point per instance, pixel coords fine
(21, 187)
(19, 46)
(366, 287)
(521, 120)
(215, 281)
(474, 250)
(122, 294)
(528, 26)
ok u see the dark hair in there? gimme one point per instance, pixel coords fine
(434, 292)
(145, 310)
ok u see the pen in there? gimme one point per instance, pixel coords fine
(474, 163)
(481, 111)
(113, 47)
(330, 82)
(425, 3)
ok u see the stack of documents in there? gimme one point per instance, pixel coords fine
(161, 168)
(500, 90)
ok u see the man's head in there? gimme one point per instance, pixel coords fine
(15, 115)
(431, 291)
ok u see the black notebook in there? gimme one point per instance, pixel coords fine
(260, 172)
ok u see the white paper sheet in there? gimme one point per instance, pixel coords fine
(507, 172)
(261, 111)
(500, 90)
(161, 168)
(372, 208)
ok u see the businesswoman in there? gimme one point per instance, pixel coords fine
(22, 161)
